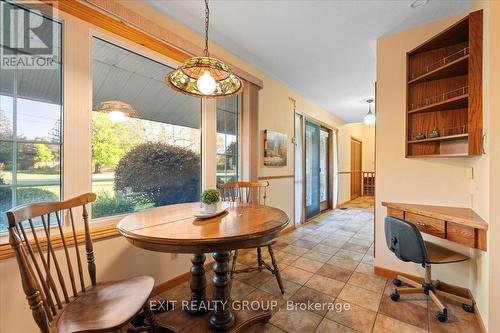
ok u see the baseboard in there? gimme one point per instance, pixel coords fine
(389, 273)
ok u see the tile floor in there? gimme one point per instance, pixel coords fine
(330, 261)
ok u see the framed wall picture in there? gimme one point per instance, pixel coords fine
(275, 148)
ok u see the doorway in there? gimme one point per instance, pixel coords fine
(356, 167)
(312, 169)
(317, 163)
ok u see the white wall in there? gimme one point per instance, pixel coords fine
(364, 133)
(430, 181)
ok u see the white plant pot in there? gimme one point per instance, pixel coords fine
(210, 209)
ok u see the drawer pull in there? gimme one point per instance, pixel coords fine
(421, 224)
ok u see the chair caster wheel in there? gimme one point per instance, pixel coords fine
(442, 316)
(395, 296)
(468, 308)
(396, 282)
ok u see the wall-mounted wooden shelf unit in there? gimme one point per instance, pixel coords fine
(444, 92)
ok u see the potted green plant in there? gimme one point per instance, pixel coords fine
(210, 199)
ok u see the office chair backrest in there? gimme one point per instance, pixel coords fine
(405, 240)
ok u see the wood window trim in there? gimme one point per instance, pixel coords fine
(117, 19)
(99, 231)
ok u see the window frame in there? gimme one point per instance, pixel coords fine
(238, 140)
(13, 185)
(77, 32)
(108, 37)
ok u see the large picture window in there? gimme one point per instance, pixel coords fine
(228, 118)
(30, 123)
(146, 138)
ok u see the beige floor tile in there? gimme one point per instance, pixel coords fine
(362, 297)
(317, 256)
(355, 247)
(296, 275)
(325, 285)
(307, 264)
(405, 311)
(304, 244)
(353, 316)
(311, 300)
(239, 290)
(295, 250)
(284, 259)
(328, 326)
(371, 282)
(263, 328)
(325, 249)
(343, 262)
(365, 269)
(296, 321)
(334, 272)
(384, 324)
(354, 256)
(271, 286)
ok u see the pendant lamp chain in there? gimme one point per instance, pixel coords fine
(207, 21)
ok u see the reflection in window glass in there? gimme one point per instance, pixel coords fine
(148, 158)
(323, 164)
(30, 127)
(228, 113)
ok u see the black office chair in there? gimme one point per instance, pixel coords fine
(405, 240)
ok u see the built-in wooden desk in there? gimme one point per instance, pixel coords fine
(460, 225)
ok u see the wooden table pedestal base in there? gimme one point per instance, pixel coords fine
(217, 314)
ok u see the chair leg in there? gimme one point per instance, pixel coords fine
(233, 264)
(151, 319)
(259, 259)
(276, 270)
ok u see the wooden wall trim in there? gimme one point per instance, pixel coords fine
(113, 17)
(276, 177)
(97, 233)
(250, 133)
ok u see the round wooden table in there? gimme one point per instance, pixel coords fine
(174, 229)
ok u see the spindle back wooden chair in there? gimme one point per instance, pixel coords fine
(248, 192)
(256, 193)
(57, 294)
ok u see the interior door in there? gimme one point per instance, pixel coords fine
(312, 169)
(356, 166)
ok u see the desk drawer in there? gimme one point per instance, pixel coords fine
(427, 224)
(399, 214)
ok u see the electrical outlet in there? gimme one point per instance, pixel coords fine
(469, 173)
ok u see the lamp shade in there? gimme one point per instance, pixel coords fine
(194, 75)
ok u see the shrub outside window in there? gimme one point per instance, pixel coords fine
(150, 157)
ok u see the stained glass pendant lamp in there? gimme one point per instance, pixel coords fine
(204, 76)
(370, 116)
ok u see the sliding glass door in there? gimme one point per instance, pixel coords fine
(312, 169)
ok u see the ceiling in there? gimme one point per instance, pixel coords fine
(324, 50)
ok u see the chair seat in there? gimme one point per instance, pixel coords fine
(106, 307)
(440, 255)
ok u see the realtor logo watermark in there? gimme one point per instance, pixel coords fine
(27, 39)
